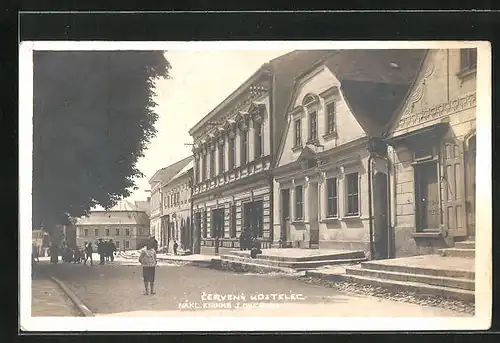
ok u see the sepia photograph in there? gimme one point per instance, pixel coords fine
(185, 186)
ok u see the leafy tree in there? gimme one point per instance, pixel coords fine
(93, 117)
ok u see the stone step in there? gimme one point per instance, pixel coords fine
(339, 256)
(431, 271)
(465, 245)
(456, 252)
(242, 266)
(408, 277)
(303, 265)
(415, 287)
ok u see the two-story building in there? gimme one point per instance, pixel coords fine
(331, 185)
(433, 148)
(177, 209)
(125, 224)
(234, 148)
(158, 220)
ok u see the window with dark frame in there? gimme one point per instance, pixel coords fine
(258, 140)
(298, 138)
(244, 147)
(222, 157)
(85, 232)
(233, 221)
(332, 197)
(205, 229)
(204, 167)
(231, 157)
(212, 163)
(299, 203)
(127, 244)
(127, 232)
(468, 59)
(117, 232)
(107, 232)
(330, 112)
(313, 127)
(96, 232)
(352, 183)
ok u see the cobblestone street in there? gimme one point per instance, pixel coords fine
(117, 288)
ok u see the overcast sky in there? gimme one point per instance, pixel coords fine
(200, 80)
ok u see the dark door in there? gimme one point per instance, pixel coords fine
(382, 232)
(428, 207)
(285, 214)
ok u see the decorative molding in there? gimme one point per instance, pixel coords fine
(463, 102)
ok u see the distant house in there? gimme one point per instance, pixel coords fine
(126, 224)
(159, 220)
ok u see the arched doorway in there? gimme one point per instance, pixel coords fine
(382, 232)
(471, 185)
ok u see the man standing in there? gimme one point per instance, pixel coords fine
(88, 254)
(112, 250)
(101, 250)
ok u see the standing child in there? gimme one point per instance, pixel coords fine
(148, 261)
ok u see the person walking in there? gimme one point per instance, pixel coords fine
(112, 250)
(88, 254)
(148, 261)
(176, 245)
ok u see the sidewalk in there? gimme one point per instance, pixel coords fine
(190, 259)
(48, 299)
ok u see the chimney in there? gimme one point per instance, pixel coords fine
(149, 199)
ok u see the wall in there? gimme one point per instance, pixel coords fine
(347, 128)
(137, 234)
(439, 93)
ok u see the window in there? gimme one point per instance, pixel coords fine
(352, 194)
(212, 163)
(258, 140)
(233, 221)
(331, 187)
(231, 153)
(107, 232)
(244, 146)
(127, 244)
(96, 232)
(118, 232)
(117, 243)
(468, 59)
(85, 232)
(127, 232)
(313, 127)
(330, 113)
(298, 138)
(299, 203)
(221, 158)
(204, 167)
(205, 224)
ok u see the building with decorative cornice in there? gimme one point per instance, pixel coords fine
(330, 162)
(234, 149)
(432, 140)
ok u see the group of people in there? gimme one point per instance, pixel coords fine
(248, 241)
(106, 250)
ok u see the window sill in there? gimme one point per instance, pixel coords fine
(466, 73)
(297, 148)
(313, 142)
(330, 219)
(330, 135)
(428, 234)
(298, 221)
(351, 216)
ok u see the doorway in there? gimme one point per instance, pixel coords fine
(427, 197)
(471, 187)
(217, 229)
(285, 215)
(313, 216)
(197, 234)
(253, 218)
(382, 232)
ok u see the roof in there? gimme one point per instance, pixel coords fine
(123, 213)
(164, 175)
(183, 171)
(144, 205)
(114, 218)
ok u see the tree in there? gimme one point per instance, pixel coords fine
(93, 117)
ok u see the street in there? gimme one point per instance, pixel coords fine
(117, 288)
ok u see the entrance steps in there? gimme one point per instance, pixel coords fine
(465, 249)
(290, 260)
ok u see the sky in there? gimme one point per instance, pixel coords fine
(200, 80)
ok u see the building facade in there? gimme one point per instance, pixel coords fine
(433, 147)
(177, 210)
(234, 149)
(331, 152)
(125, 224)
(159, 213)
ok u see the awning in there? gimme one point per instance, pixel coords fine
(429, 134)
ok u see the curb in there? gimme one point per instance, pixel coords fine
(84, 310)
(186, 262)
